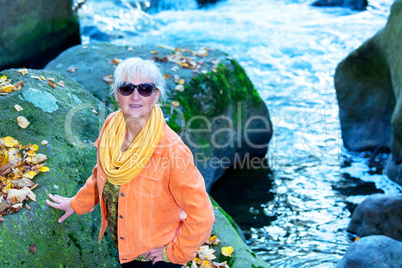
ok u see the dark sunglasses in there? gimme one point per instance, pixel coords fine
(145, 89)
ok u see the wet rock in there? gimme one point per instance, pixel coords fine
(368, 87)
(373, 251)
(353, 4)
(35, 31)
(379, 214)
(244, 256)
(221, 116)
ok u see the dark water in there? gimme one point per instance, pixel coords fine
(295, 212)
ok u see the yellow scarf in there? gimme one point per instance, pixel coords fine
(121, 167)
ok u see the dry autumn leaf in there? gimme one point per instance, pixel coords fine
(35, 77)
(227, 251)
(23, 71)
(33, 248)
(18, 108)
(42, 77)
(60, 83)
(116, 61)
(51, 84)
(22, 122)
(29, 174)
(154, 52)
(44, 169)
(108, 79)
(17, 172)
(166, 76)
(179, 88)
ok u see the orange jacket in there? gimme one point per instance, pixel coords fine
(150, 204)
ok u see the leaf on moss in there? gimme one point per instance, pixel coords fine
(44, 169)
(22, 122)
(18, 108)
(227, 251)
(23, 71)
(29, 175)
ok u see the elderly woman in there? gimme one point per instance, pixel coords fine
(151, 195)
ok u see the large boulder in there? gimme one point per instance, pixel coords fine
(221, 116)
(32, 32)
(378, 214)
(375, 251)
(69, 118)
(368, 85)
(63, 116)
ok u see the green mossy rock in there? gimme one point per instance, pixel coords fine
(369, 90)
(63, 116)
(35, 31)
(221, 115)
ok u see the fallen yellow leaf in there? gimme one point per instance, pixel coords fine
(22, 122)
(18, 108)
(9, 141)
(29, 174)
(179, 88)
(42, 77)
(31, 153)
(23, 71)
(43, 169)
(227, 251)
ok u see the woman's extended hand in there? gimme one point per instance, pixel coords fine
(156, 253)
(62, 203)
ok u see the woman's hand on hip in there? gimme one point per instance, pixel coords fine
(156, 254)
(62, 203)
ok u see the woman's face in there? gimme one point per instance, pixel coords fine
(136, 107)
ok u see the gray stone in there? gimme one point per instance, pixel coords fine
(216, 108)
(368, 85)
(375, 251)
(378, 214)
(32, 32)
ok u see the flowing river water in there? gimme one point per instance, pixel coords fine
(295, 214)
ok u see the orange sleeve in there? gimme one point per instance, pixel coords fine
(188, 189)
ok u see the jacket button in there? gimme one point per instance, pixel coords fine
(121, 216)
(122, 194)
(124, 259)
(122, 238)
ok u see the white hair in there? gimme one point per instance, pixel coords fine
(133, 68)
